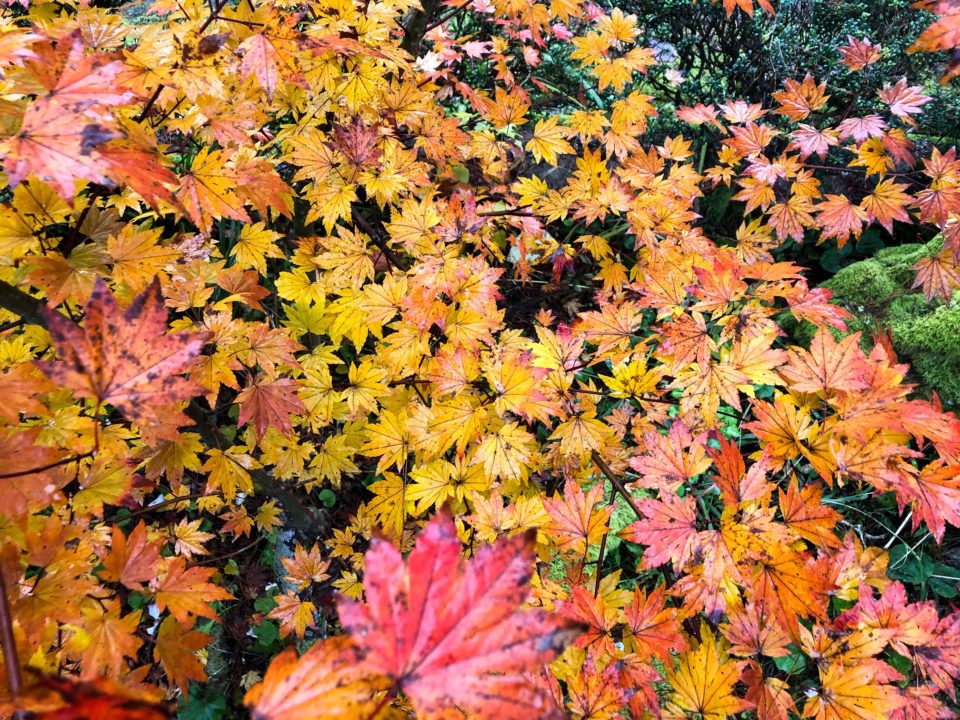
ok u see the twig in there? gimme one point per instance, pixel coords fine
(49, 466)
(149, 106)
(381, 705)
(512, 212)
(896, 534)
(389, 254)
(246, 23)
(213, 16)
(603, 544)
(605, 469)
(167, 503)
(221, 558)
(443, 18)
(19, 303)
(10, 660)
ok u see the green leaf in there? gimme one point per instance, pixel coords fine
(792, 663)
(264, 604)
(909, 566)
(944, 580)
(328, 497)
(902, 664)
(268, 637)
(202, 704)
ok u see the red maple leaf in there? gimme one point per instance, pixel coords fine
(449, 632)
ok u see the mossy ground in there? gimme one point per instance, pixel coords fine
(878, 293)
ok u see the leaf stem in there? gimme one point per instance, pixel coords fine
(381, 705)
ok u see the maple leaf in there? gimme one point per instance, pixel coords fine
(668, 529)
(771, 696)
(295, 615)
(125, 358)
(828, 365)
(132, 560)
(330, 682)
(671, 460)
(804, 513)
(652, 628)
(904, 101)
(100, 698)
(595, 615)
(305, 567)
(61, 130)
(102, 639)
(939, 658)
(187, 592)
(703, 681)
(813, 305)
(839, 218)
(857, 54)
(176, 651)
(576, 520)
(938, 275)
(450, 633)
(229, 471)
(854, 692)
(812, 141)
(597, 692)
(799, 99)
(506, 453)
(52, 146)
(943, 34)
(138, 165)
(270, 57)
(886, 203)
(751, 631)
(208, 191)
(746, 6)
(269, 405)
(549, 141)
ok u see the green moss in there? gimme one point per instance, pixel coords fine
(878, 292)
(622, 516)
(906, 309)
(932, 342)
(867, 283)
(900, 260)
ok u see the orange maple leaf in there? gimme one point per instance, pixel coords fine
(187, 592)
(125, 358)
(269, 404)
(330, 682)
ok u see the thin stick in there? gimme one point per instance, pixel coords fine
(149, 106)
(605, 469)
(49, 466)
(389, 254)
(387, 696)
(10, 660)
(213, 16)
(167, 503)
(603, 544)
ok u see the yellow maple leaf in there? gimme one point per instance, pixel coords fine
(229, 471)
(295, 615)
(703, 681)
(549, 141)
